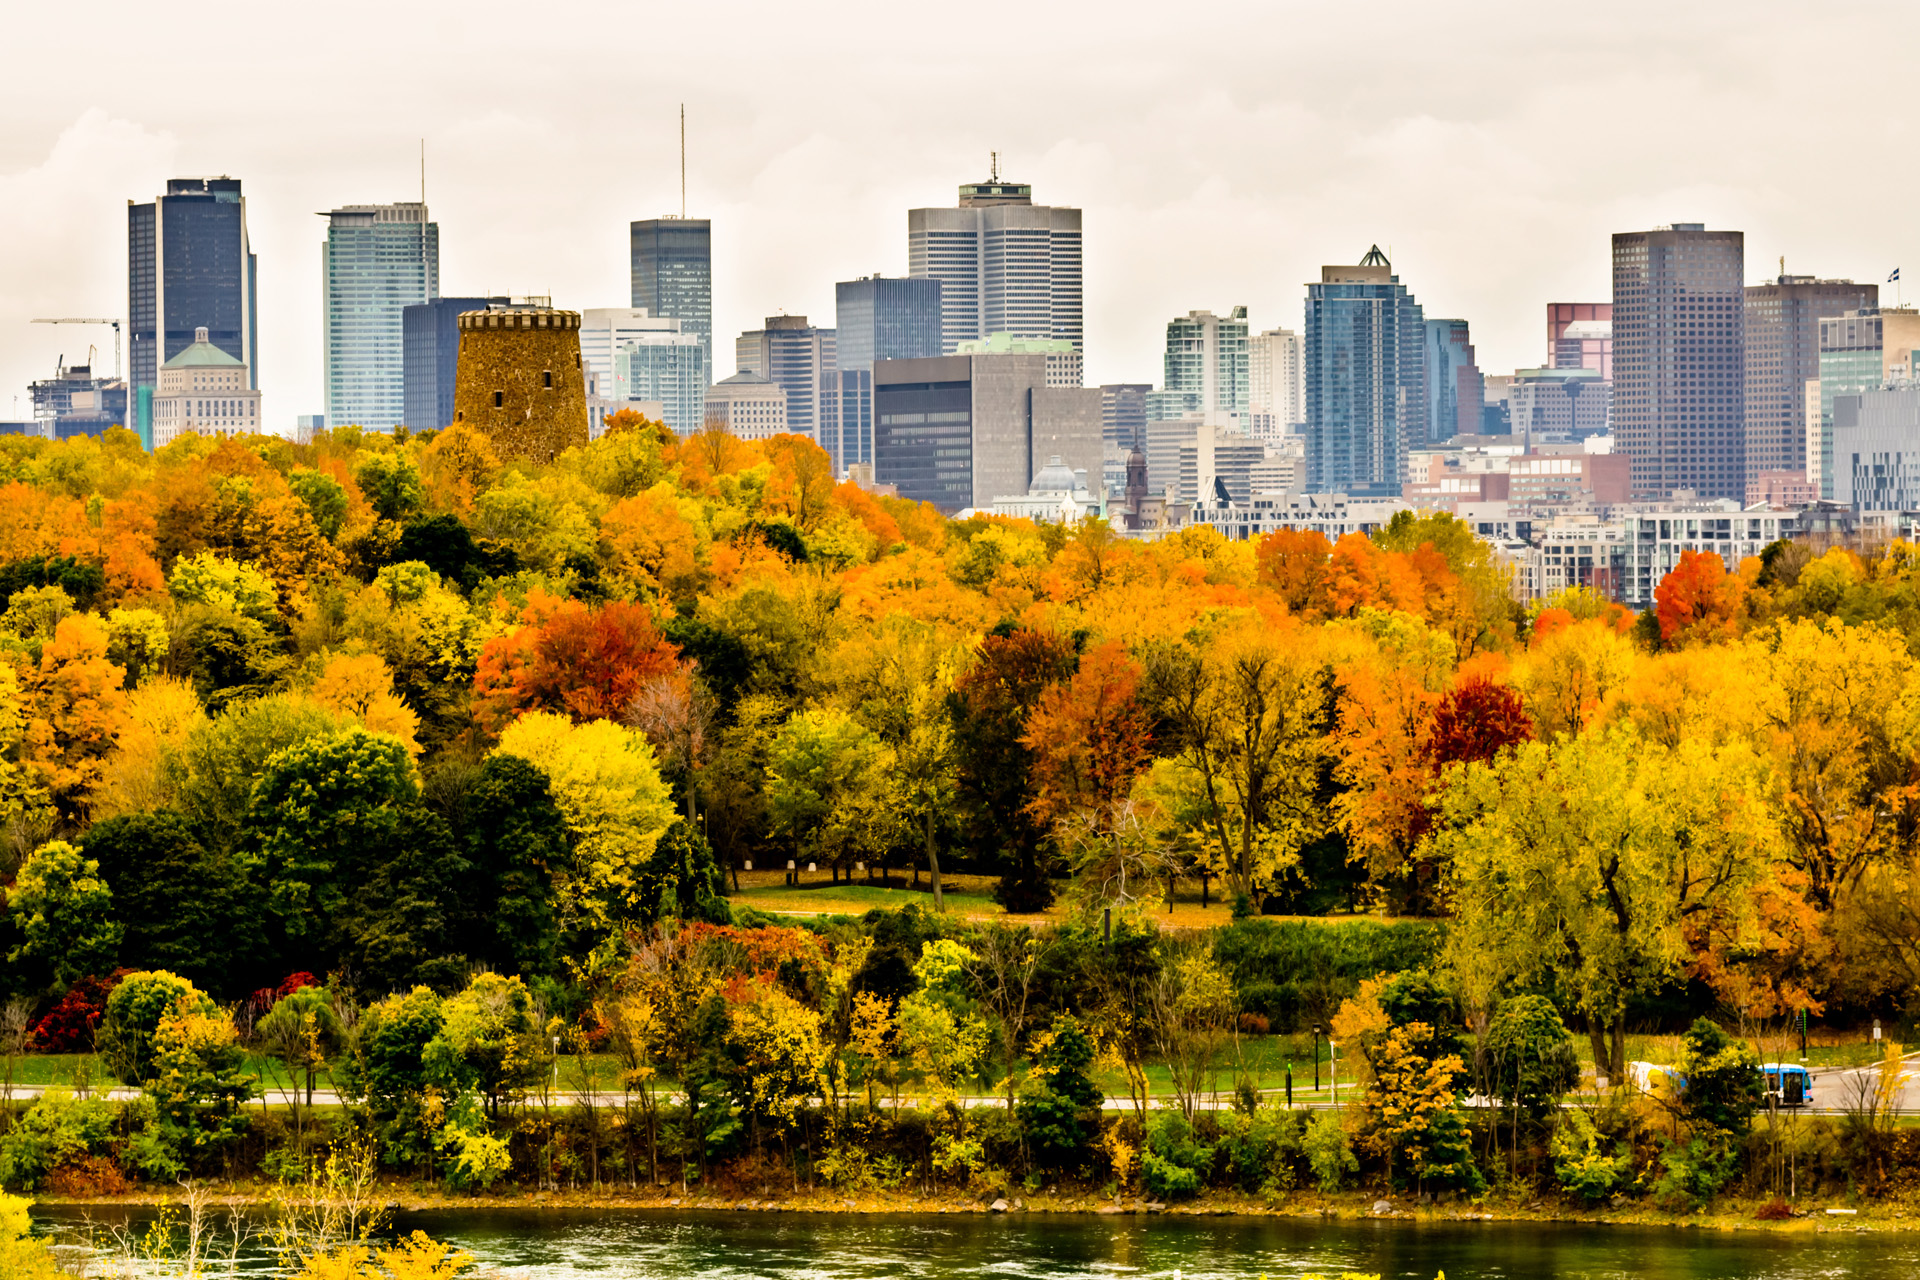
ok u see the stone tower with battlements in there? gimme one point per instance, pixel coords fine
(520, 380)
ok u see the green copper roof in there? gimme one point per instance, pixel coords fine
(202, 355)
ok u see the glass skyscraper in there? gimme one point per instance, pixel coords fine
(190, 266)
(1364, 355)
(673, 274)
(378, 259)
(431, 358)
(1206, 357)
(875, 318)
(1453, 385)
(797, 358)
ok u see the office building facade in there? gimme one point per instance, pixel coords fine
(1066, 367)
(190, 266)
(1275, 391)
(430, 358)
(1364, 355)
(875, 318)
(1206, 357)
(1453, 386)
(205, 391)
(1679, 385)
(1005, 265)
(377, 260)
(672, 262)
(1783, 320)
(1876, 448)
(1557, 406)
(633, 358)
(1860, 350)
(798, 358)
(960, 431)
(1580, 336)
(748, 406)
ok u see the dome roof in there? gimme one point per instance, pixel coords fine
(1055, 477)
(202, 355)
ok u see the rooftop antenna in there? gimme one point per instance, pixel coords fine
(683, 162)
(993, 165)
(426, 279)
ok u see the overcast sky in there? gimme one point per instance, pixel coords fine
(1221, 152)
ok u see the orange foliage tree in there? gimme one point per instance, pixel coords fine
(588, 665)
(1293, 563)
(1088, 736)
(1698, 600)
(76, 709)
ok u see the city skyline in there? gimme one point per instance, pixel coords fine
(1287, 162)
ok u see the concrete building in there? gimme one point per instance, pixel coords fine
(190, 266)
(1066, 367)
(672, 266)
(799, 358)
(635, 359)
(1624, 555)
(1454, 389)
(377, 260)
(1276, 394)
(1332, 515)
(1206, 358)
(521, 380)
(1859, 350)
(1548, 406)
(1679, 385)
(747, 405)
(1195, 460)
(1539, 483)
(1782, 355)
(1580, 336)
(430, 358)
(205, 391)
(959, 431)
(1004, 263)
(1365, 337)
(1782, 490)
(1876, 449)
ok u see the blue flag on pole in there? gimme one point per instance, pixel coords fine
(1894, 276)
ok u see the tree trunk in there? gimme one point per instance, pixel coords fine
(933, 865)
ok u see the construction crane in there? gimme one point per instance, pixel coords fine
(86, 320)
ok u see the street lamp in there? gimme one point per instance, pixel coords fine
(1316, 1057)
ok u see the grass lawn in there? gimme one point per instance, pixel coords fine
(1824, 1049)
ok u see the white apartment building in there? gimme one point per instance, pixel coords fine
(1276, 384)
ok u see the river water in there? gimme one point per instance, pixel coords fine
(649, 1245)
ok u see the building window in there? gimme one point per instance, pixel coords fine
(548, 378)
(499, 399)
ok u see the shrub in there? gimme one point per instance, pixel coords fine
(1329, 1151)
(58, 1129)
(1262, 1148)
(1580, 1160)
(1174, 1163)
(1774, 1210)
(134, 1011)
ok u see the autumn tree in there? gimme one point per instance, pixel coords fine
(587, 665)
(1698, 600)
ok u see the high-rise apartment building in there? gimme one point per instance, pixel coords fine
(1275, 391)
(1580, 336)
(1206, 357)
(430, 358)
(1783, 354)
(673, 274)
(190, 266)
(1004, 263)
(378, 259)
(1364, 355)
(1453, 385)
(1679, 341)
(797, 358)
(634, 356)
(960, 431)
(1860, 351)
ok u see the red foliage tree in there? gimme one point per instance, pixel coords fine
(70, 1024)
(588, 665)
(1089, 736)
(1699, 598)
(1475, 722)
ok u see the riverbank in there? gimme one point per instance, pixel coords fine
(1729, 1215)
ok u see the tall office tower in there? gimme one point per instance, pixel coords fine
(430, 358)
(875, 318)
(797, 358)
(1679, 325)
(1783, 355)
(1365, 338)
(1004, 263)
(189, 266)
(1579, 336)
(1274, 391)
(634, 356)
(378, 259)
(1454, 388)
(1123, 428)
(1206, 357)
(673, 274)
(1860, 351)
(960, 431)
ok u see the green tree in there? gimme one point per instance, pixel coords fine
(826, 781)
(390, 482)
(404, 1081)
(1531, 1063)
(133, 1016)
(227, 755)
(199, 1086)
(63, 911)
(517, 845)
(682, 881)
(303, 1031)
(406, 920)
(185, 908)
(325, 498)
(1059, 1110)
(1723, 1079)
(325, 813)
(490, 1030)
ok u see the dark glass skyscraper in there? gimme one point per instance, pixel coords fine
(1679, 343)
(1366, 393)
(875, 318)
(190, 266)
(673, 274)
